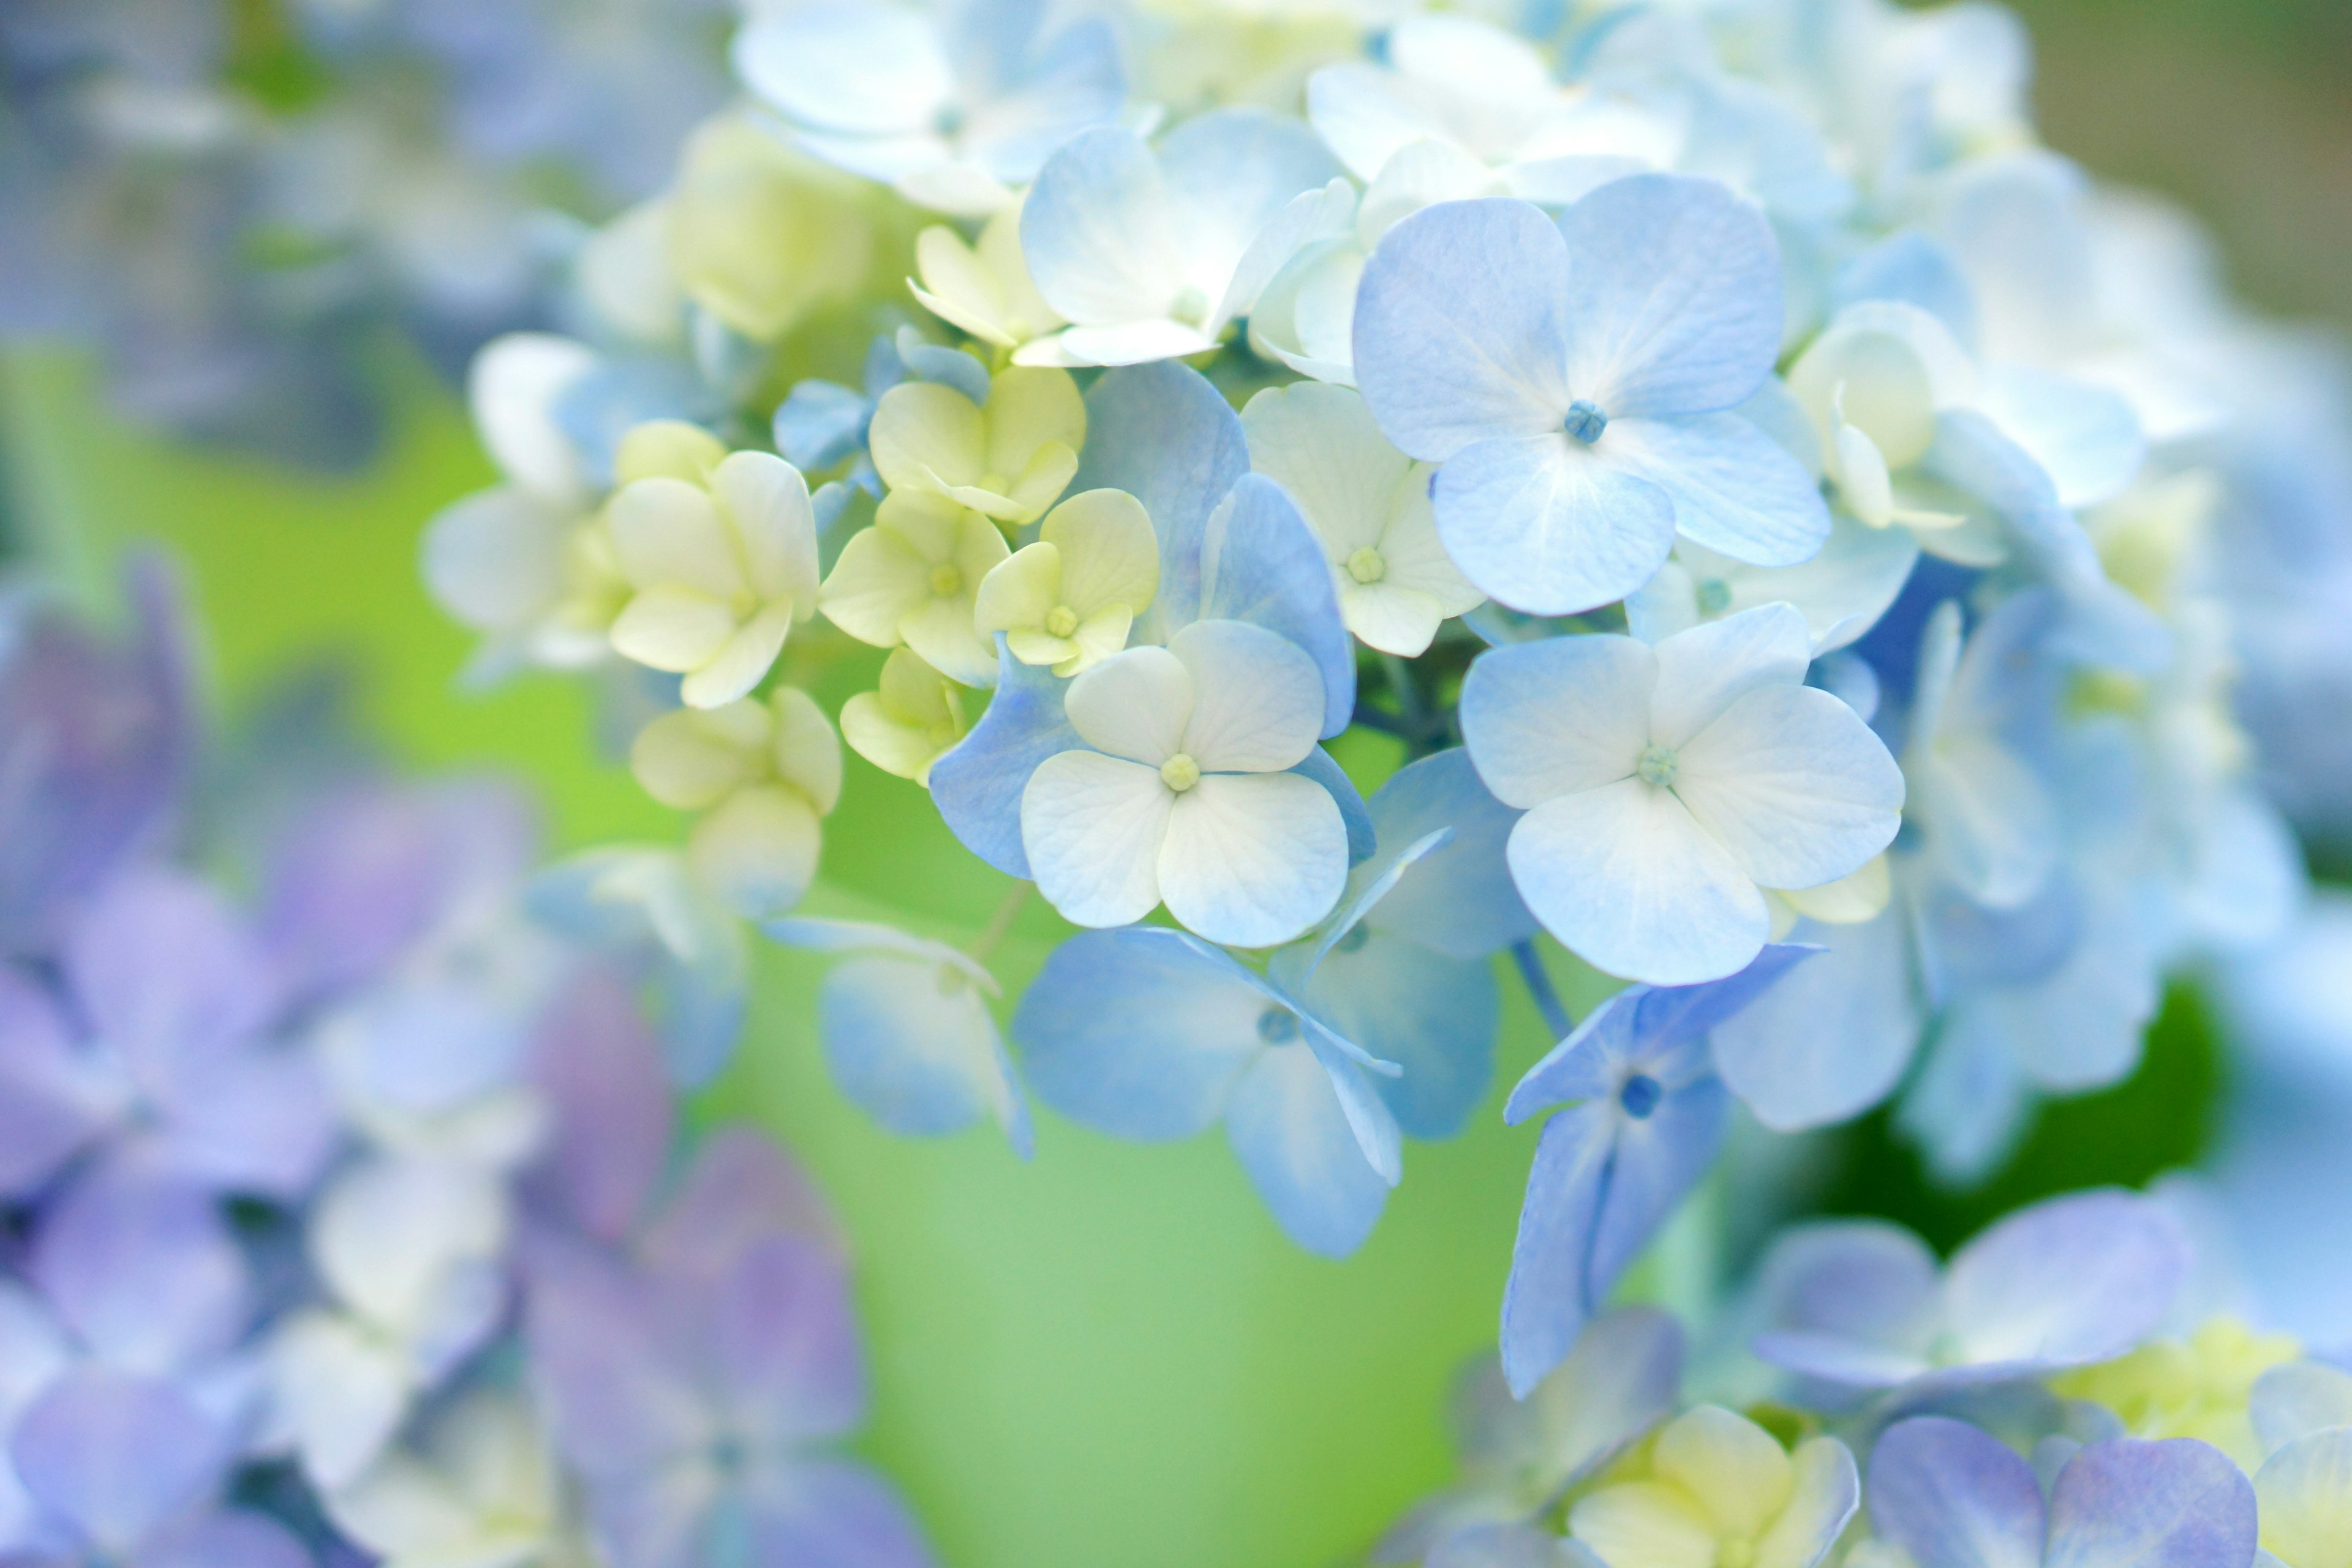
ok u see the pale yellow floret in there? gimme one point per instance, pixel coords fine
(2193, 1388)
(1720, 1492)
(985, 291)
(667, 448)
(760, 234)
(913, 578)
(1068, 599)
(1010, 458)
(907, 724)
(762, 775)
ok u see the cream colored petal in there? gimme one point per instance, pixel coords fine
(924, 433)
(1029, 410)
(1645, 1524)
(1099, 635)
(988, 502)
(767, 501)
(1020, 592)
(928, 523)
(1738, 1469)
(757, 852)
(742, 662)
(958, 286)
(1044, 647)
(691, 758)
(894, 747)
(1041, 484)
(1133, 706)
(807, 753)
(1321, 445)
(671, 628)
(1109, 553)
(1415, 556)
(667, 448)
(667, 531)
(940, 629)
(980, 549)
(1389, 616)
(912, 692)
(1026, 314)
(1849, 901)
(876, 584)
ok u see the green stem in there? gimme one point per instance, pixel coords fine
(992, 935)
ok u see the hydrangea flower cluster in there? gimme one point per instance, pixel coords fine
(352, 1220)
(2057, 1394)
(1753, 512)
(236, 201)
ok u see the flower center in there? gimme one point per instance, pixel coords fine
(1275, 1026)
(1061, 621)
(1657, 766)
(1735, 1552)
(1714, 596)
(1180, 773)
(947, 581)
(1192, 305)
(1585, 421)
(1639, 1096)
(1358, 935)
(1367, 566)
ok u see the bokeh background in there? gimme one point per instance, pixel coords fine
(2239, 109)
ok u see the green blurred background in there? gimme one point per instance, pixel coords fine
(1110, 1355)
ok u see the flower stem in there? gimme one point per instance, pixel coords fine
(1540, 987)
(992, 935)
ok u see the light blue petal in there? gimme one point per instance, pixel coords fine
(1366, 887)
(1583, 1066)
(1668, 1014)
(1954, 1497)
(939, 362)
(1166, 437)
(1846, 1298)
(1143, 1032)
(820, 423)
(1462, 328)
(1498, 1546)
(1289, 1131)
(1547, 1301)
(1542, 524)
(1369, 1117)
(1074, 81)
(1320, 766)
(1460, 899)
(1660, 1158)
(596, 409)
(977, 784)
(1674, 302)
(1735, 489)
(2128, 1504)
(868, 68)
(1097, 228)
(2299, 1398)
(1256, 560)
(1830, 1040)
(1966, 1106)
(2069, 1281)
(1434, 1016)
(1910, 268)
(912, 1041)
(2103, 624)
(2086, 439)
(1967, 946)
(1231, 171)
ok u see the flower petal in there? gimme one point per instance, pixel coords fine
(1093, 828)
(912, 1042)
(1557, 717)
(1257, 699)
(1954, 1497)
(1135, 705)
(115, 1456)
(1544, 525)
(1462, 328)
(1287, 1128)
(1630, 883)
(870, 68)
(1833, 1039)
(1737, 1467)
(1250, 859)
(2069, 1280)
(2304, 1491)
(1734, 488)
(1099, 230)
(1793, 784)
(2176, 1504)
(977, 783)
(1141, 1033)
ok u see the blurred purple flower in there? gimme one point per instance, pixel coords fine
(95, 746)
(159, 1049)
(125, 1470)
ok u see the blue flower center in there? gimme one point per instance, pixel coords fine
(1714, 596)
(1585, 421)
(1358, 935)
(1658, 765)
(1278, 1026)
(1641, 1096)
